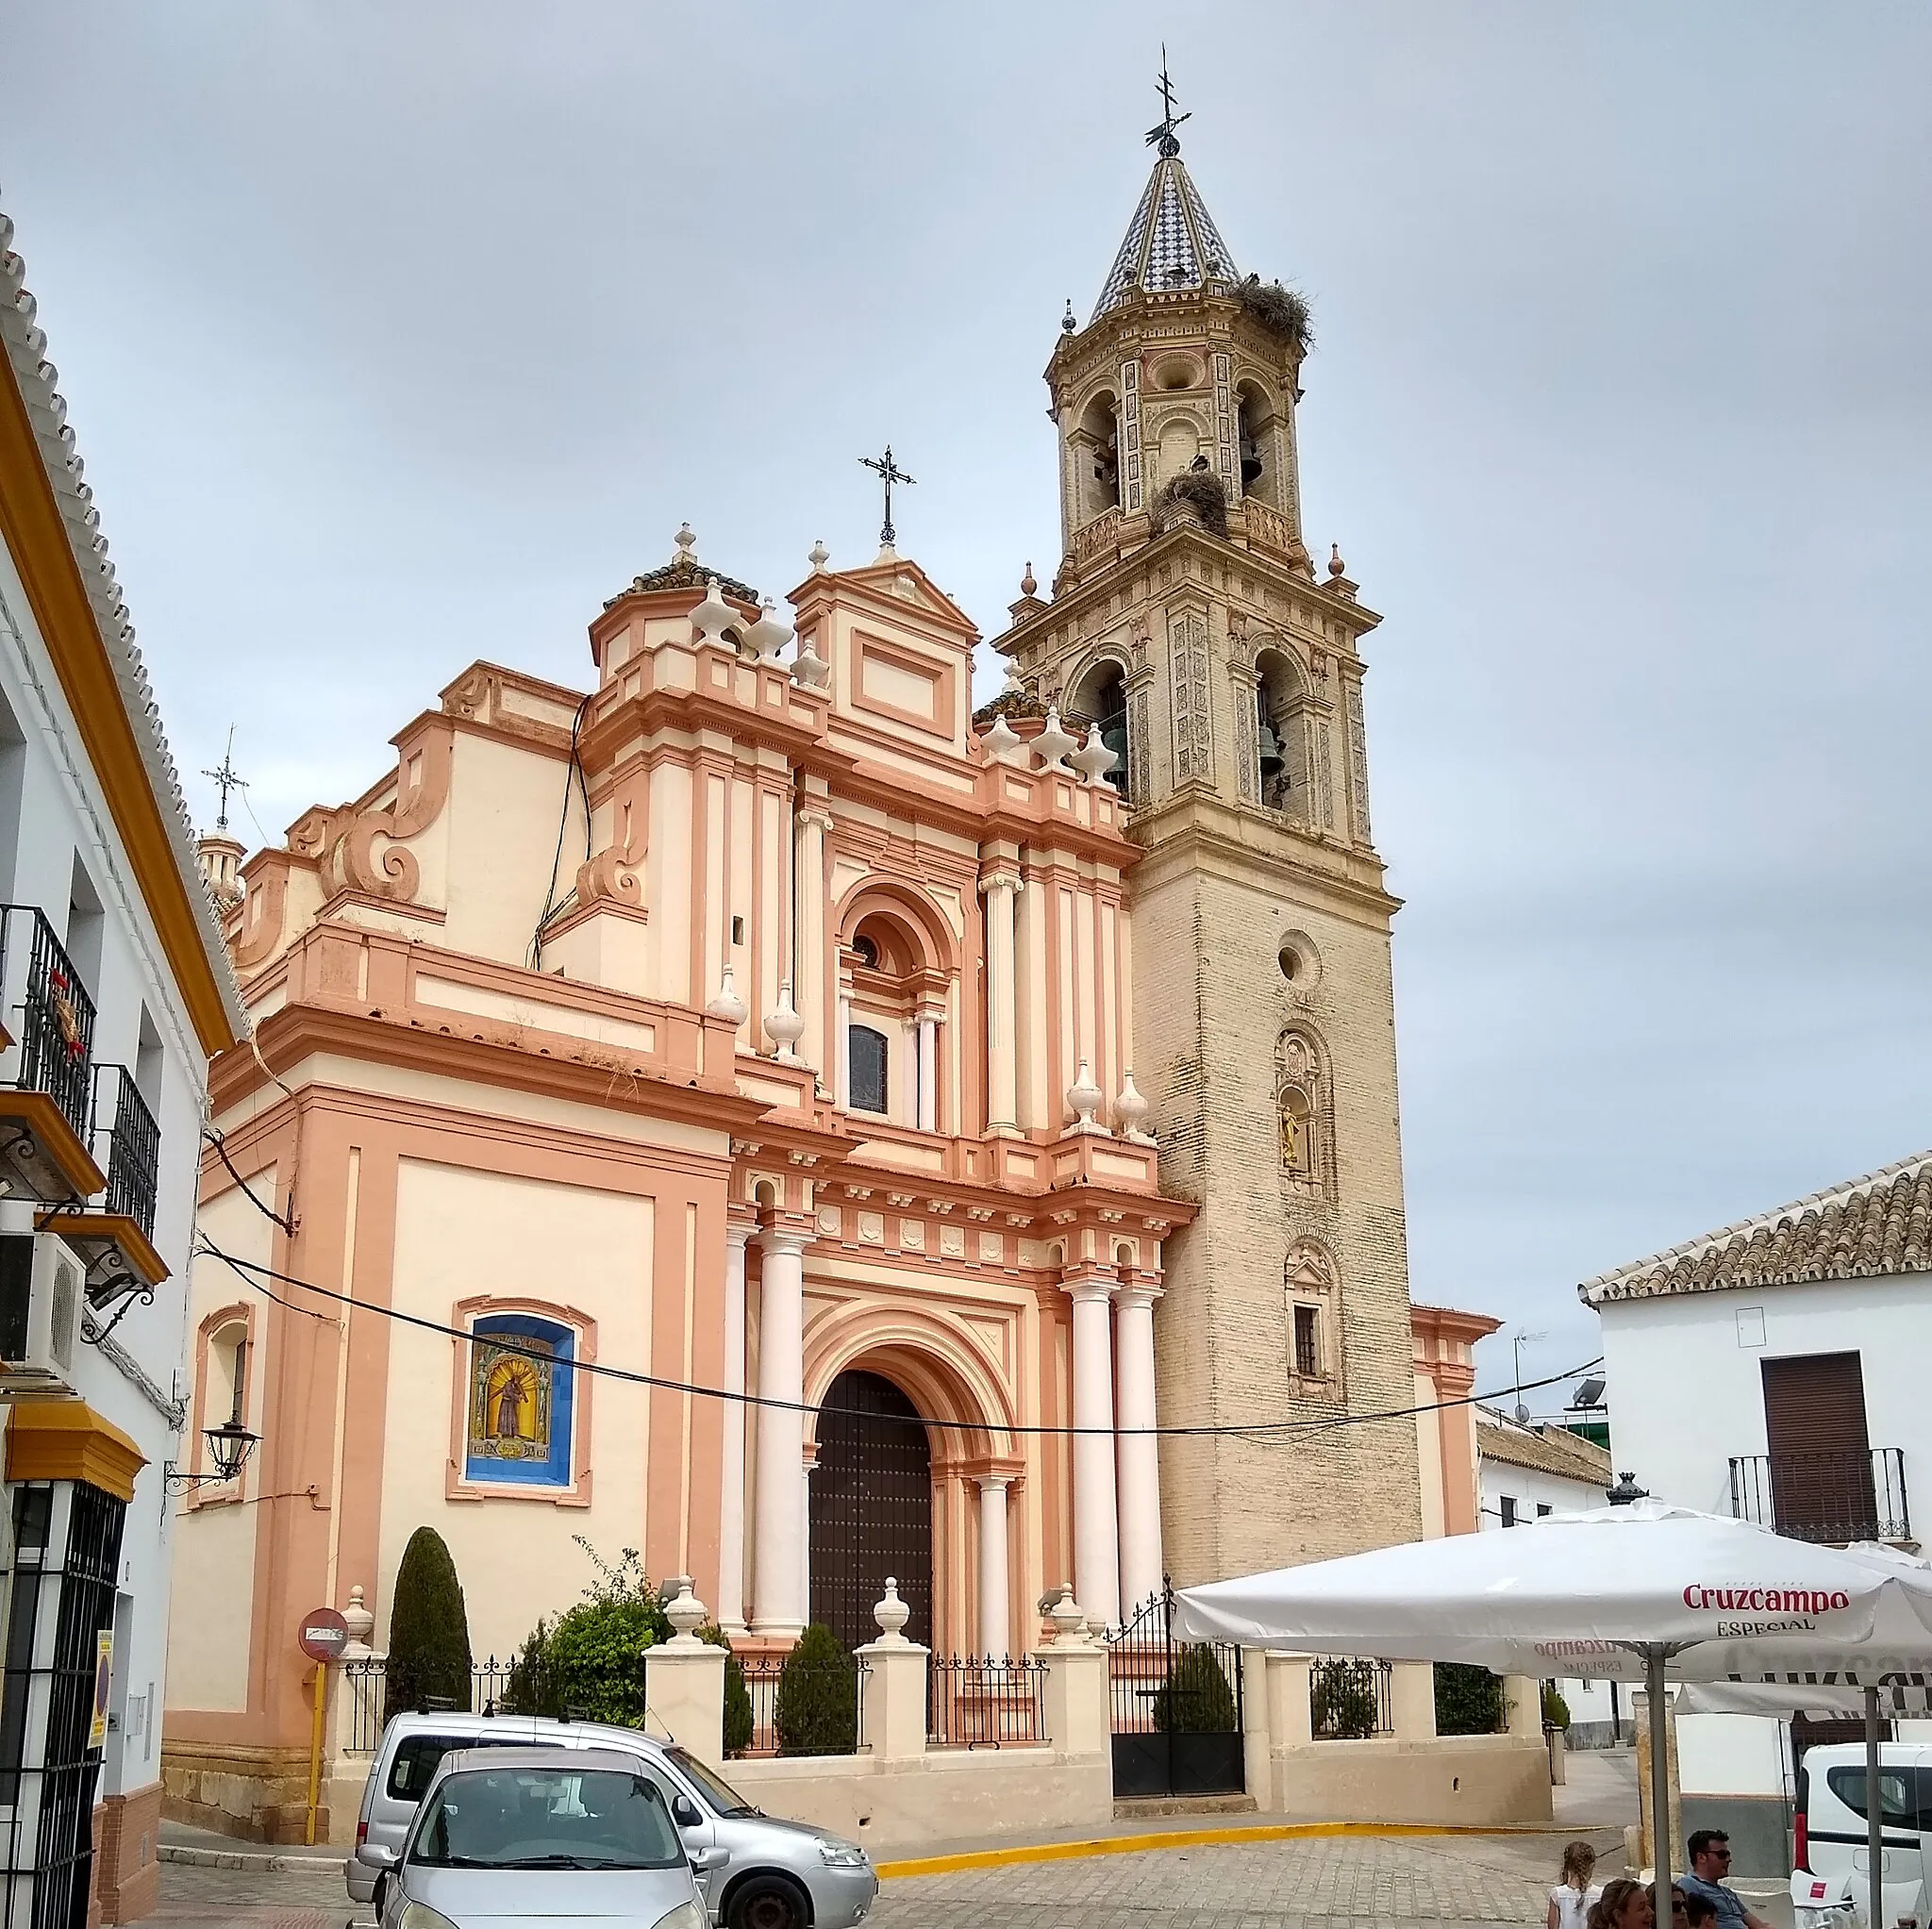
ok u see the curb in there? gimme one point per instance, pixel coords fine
(261, 1860)
(1190, 1838)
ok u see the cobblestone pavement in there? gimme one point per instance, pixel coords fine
(1322, 1883)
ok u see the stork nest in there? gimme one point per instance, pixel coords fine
(1197, 490)
(1283, 311)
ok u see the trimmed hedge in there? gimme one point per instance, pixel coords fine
(428, 1630)
(816, 1711)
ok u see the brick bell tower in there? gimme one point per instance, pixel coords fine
(1187, 622)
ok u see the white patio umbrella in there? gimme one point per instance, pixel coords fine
(1645, 1592)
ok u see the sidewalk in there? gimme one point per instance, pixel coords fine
(200, 1847)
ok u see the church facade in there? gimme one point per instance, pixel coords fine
(760, 1112)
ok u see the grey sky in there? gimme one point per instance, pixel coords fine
(397, 335)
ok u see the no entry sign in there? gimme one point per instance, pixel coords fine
(323, 1635)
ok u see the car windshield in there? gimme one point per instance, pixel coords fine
(710, 1785)
(512, 1818)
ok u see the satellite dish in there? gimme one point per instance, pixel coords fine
(1521, 1414)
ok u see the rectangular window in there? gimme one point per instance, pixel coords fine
(867, 1053)
(1820, 1453)
(1506, 1505)
(1543, 1513)
(1308, 1361)
(86, 922)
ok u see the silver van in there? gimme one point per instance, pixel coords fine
(753, 1871)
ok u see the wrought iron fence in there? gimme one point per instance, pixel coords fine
(980, 1702)
(763, 1676)
(1834, 1498)
(760, 1673)
(1351, 1701)
(134, 1145)
(57, 1015)
(366, 1685)
(1176, 1707)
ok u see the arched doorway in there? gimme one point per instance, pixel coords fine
(871, 1508)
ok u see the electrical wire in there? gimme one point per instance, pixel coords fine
(215, 1138)
(248, 1269)
(552, 903)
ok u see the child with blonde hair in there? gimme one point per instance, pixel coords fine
(1572, 1898)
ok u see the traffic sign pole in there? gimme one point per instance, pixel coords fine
(322, 1636)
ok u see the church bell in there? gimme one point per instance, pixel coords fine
(1271, 750)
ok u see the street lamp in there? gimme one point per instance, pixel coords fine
(228, 1446)
(1627, 1492)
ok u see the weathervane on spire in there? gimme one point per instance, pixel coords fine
(890, 473)
(1162, 135)
(226, 779)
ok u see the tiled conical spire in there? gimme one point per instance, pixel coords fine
(1172, 242)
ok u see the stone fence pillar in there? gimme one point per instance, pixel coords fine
(1075, 1693)
(684, 1681)
(1413, 1699)
(892, 1688)
(1278, 1713)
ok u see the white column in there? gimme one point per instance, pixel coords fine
(907, 1052)
(1096, 1534)
(731, 1518)
(809, 970)
(928, 1072)
(995, 1638)
(808, 1468)
(1003, 1083)
(841, 1083)
(1139, 1452)
(778, 1529)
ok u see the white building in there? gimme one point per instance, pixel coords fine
(1776, 1371)
(114, 990)
(1524, 1474)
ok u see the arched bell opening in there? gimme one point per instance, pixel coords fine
(1101, 697)
(1280, 734)
(1097, 458)
(1258, 433)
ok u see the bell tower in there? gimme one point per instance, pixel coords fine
(1186, 621)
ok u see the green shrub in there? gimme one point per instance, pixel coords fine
(528, 1690)
(429, 1631)
(1343, 1701)
(1469, 1700)
(1556, 1709)
(816, 1711)
(1196, 1699)
(737, 1721)
(590, 1661)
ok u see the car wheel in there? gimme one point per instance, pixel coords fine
(767, 1901)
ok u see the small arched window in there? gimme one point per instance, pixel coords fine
(520, 1406)
(866, 1055)
(1101, 697)
(1097, 458)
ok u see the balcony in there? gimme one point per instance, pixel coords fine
(116, 1240)
(1834, 1498)
(46, 1069)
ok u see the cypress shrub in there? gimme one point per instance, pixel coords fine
(429, 1631)
(1341, 1701)
(1469, 1700)
(817, 1708)
(1196, 1699)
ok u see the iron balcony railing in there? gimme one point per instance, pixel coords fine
(134, 1145)
(1858, 1494)
(56, 1028)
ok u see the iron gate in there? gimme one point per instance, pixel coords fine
(1176, 1709)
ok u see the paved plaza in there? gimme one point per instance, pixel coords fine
(1308, 1883)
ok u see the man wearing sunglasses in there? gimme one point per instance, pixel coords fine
(1710, 1864)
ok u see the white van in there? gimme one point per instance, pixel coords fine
(1831, 1848)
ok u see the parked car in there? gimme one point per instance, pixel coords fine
(753, 1871)
(513, 1836)
(1829, 1832)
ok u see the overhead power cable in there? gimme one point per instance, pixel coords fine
(252, 1273)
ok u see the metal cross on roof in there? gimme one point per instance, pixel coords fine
(890, 473)
(226, 779)
(1162, 135)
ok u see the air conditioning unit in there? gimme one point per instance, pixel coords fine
(43, 1288)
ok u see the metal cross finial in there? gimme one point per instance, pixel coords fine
(1162, 135)
(226, 779)
(890, 473)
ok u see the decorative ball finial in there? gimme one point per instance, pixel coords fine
(1067, 325)
(818, 558)
(1028, 584)
(687, 550)
(1336, 566)
(892, 1614)
(726, 1004)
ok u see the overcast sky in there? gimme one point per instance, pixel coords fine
(401, 334)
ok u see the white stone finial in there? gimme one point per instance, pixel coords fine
(1086, 1099)
(1069, 1619)
(726, 1002)
(1052, 743)
(686, 1613)
(1129, 1107)
(819, 557)
(809, 668)
(1093, 759)
(712, 617)
(783, 1025)
(361, 1624)
(686, 544)
(766, 638)
(892, 1614)
(1003, 745)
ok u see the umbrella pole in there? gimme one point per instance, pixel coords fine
(1874, 1812)
(1660, 1777)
